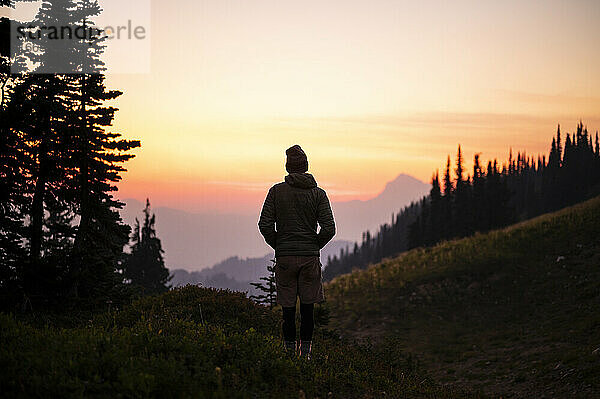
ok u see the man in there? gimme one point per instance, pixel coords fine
(288, 222)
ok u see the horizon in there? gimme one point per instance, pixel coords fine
(254, 193)
(249, 211)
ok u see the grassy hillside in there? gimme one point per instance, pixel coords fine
(192, 342)
(514, 312)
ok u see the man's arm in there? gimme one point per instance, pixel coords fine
(266, 223)
(325, 219)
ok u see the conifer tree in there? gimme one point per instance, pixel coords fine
(553, 156)
(435, 191)
(459, 168)
(435, 195)
(12, 180)
(558, 146)
(478, 195)
(145, 267)
(448, 187)
(38, 114)
(462, 216)
(98, 155)
(44, 128)
(447, 201)
(73, 161)
(267, 287)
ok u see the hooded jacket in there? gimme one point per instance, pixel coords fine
(290, 213)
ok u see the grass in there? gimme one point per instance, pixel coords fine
(510, 313)
(193, 342)
(513, 312)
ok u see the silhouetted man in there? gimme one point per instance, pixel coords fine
(288, 222)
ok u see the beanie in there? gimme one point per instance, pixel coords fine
(296, 160)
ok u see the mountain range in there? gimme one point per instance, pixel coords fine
(196, 241)
(236, 273)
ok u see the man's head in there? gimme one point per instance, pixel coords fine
(296, 160)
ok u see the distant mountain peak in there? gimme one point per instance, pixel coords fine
(199, 240)
(403, 178)
(402, 183)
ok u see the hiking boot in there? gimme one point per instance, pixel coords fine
(305, 349)
(290, 347)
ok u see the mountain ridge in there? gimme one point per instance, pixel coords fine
(389, 187)
(236, 273)
(195, 241)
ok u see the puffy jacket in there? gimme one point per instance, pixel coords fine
(290, 213)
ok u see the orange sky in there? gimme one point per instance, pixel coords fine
(369, 89)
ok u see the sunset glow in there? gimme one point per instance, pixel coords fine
(368, 89)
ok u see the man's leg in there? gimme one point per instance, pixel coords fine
(310, 290)
(287, 291)
(307, 326)
(289, 328)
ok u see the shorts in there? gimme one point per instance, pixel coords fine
(298, 276)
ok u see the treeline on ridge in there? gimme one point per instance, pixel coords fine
(490, 197)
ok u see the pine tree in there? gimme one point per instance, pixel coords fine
(459, 168)
(51, 117)
(12, 180)
(61, 164)
(447, 204)
(267, 287)
(435, 196)
(497, 196)
(39, 110)
(98, 155)
(478, 195)
(558, 146)
(461, 219)
(145, 267)
(553, 157)
(448, 187)
(45, 130)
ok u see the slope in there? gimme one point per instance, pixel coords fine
(192, 342)
(514, 312)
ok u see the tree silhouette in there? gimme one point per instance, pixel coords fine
(101, 235)
(493, 197)
(478, 221)
(61, 165)
(145, 267)
(435, 198)
(461, 215)
(267, 287)
(12, 179)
